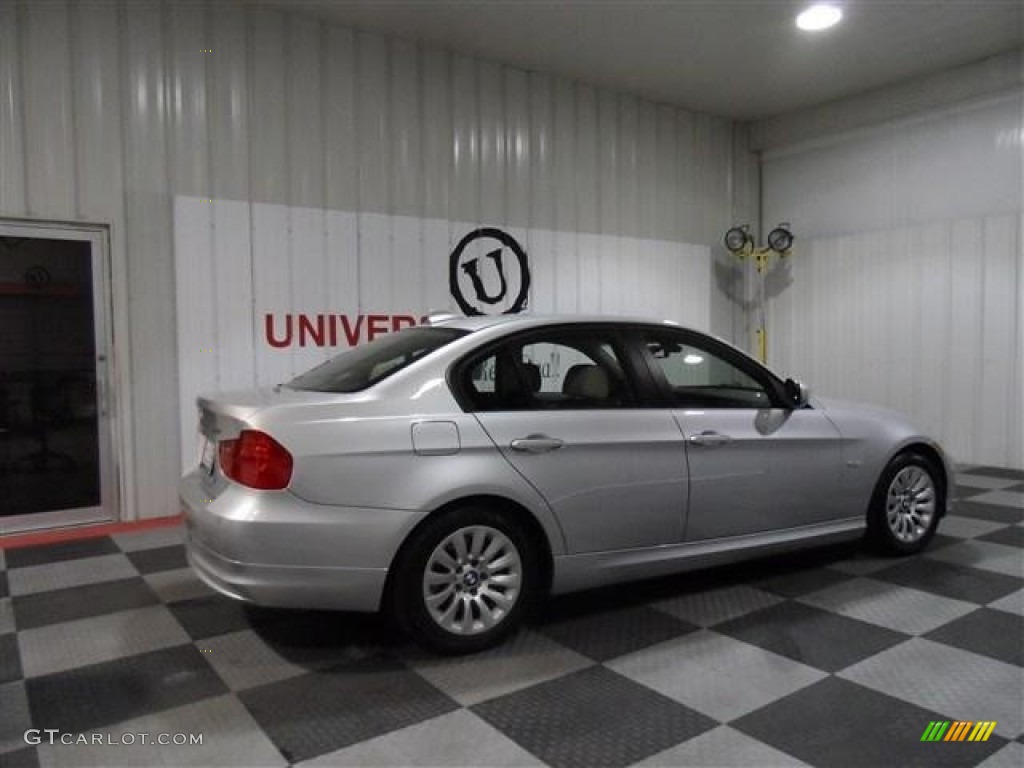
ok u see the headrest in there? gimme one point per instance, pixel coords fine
(588, 381)
(531, 374)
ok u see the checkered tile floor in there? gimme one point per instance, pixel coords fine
(831, 657)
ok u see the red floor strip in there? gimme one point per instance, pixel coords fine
(85, 532)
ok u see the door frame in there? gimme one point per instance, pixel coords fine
(108, 364)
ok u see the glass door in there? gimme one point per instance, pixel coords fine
(55, 437)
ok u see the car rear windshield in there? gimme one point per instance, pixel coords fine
(364, 366)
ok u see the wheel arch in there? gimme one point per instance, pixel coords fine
(502, 504)
(935, 456)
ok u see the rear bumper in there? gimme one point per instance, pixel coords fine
(273, 549)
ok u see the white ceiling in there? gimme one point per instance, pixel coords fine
(737, 58)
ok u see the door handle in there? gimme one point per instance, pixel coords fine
(536, 444)
(710, 439)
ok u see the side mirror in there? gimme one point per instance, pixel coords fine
(797, 393)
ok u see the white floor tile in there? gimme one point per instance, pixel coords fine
(723, 747)
(459, 738)
(524, 660)
(952, 682)
(714, 674)
(71, 644)
(888, 605)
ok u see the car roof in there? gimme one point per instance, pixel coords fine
(479, 322)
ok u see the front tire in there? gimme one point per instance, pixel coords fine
(465, 580)
(906, 505)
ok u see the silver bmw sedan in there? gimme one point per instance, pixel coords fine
(455, 473)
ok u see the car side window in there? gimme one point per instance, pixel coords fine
(558, 370)
(700, 378)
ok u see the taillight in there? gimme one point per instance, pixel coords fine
(257, 460)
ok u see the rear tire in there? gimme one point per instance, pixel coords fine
(465, 580)
(906, 505)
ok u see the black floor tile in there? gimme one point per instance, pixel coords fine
(21, 758)
(996, 513)
(810, 635)
(10, 659)
(605, 635)
(14, 715)
(317, 713)
(78, 700)
(159, 559)
(799, 583)
(838, 723)
(63, 550)
(44, 608)
(318, 639)
(592, 718)
(4, 588)
(208, 616)
(1011, 535)
(1007, 474)
(957, 581)
(997, 634)
(939, 541)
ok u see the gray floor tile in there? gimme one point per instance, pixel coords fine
(996, 634)
(719, 676)
(459, 738)
(14, 716)
(243, 660)
(155, 537)
(985, 482)
(204, 617)
(21, 758)
(723, 747)
(709, 607)
(838, 723)
(996, 513)
(947, 680)
(1013, 603)
(801, 582)
(87, 698)
(606, 634)
(42, 608)
(317, 713)
(159, 559)
(592, 718)
(10, 661)
(997, 558)
(6, 615)
(73, 644)
(526, 659)
(1010, 756)
(73, 573)
(182, 584)
(864, 564)
(967, 527)
(889, 605)
(810, 635)
(230, 737)
(1011, 536)
(1002, 498)
(956, 581)
(60, 552)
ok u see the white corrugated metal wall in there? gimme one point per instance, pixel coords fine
(110, 111)
(907, 285)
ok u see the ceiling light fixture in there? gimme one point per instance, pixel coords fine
(819, 17)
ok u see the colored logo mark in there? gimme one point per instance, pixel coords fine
(958, 730)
